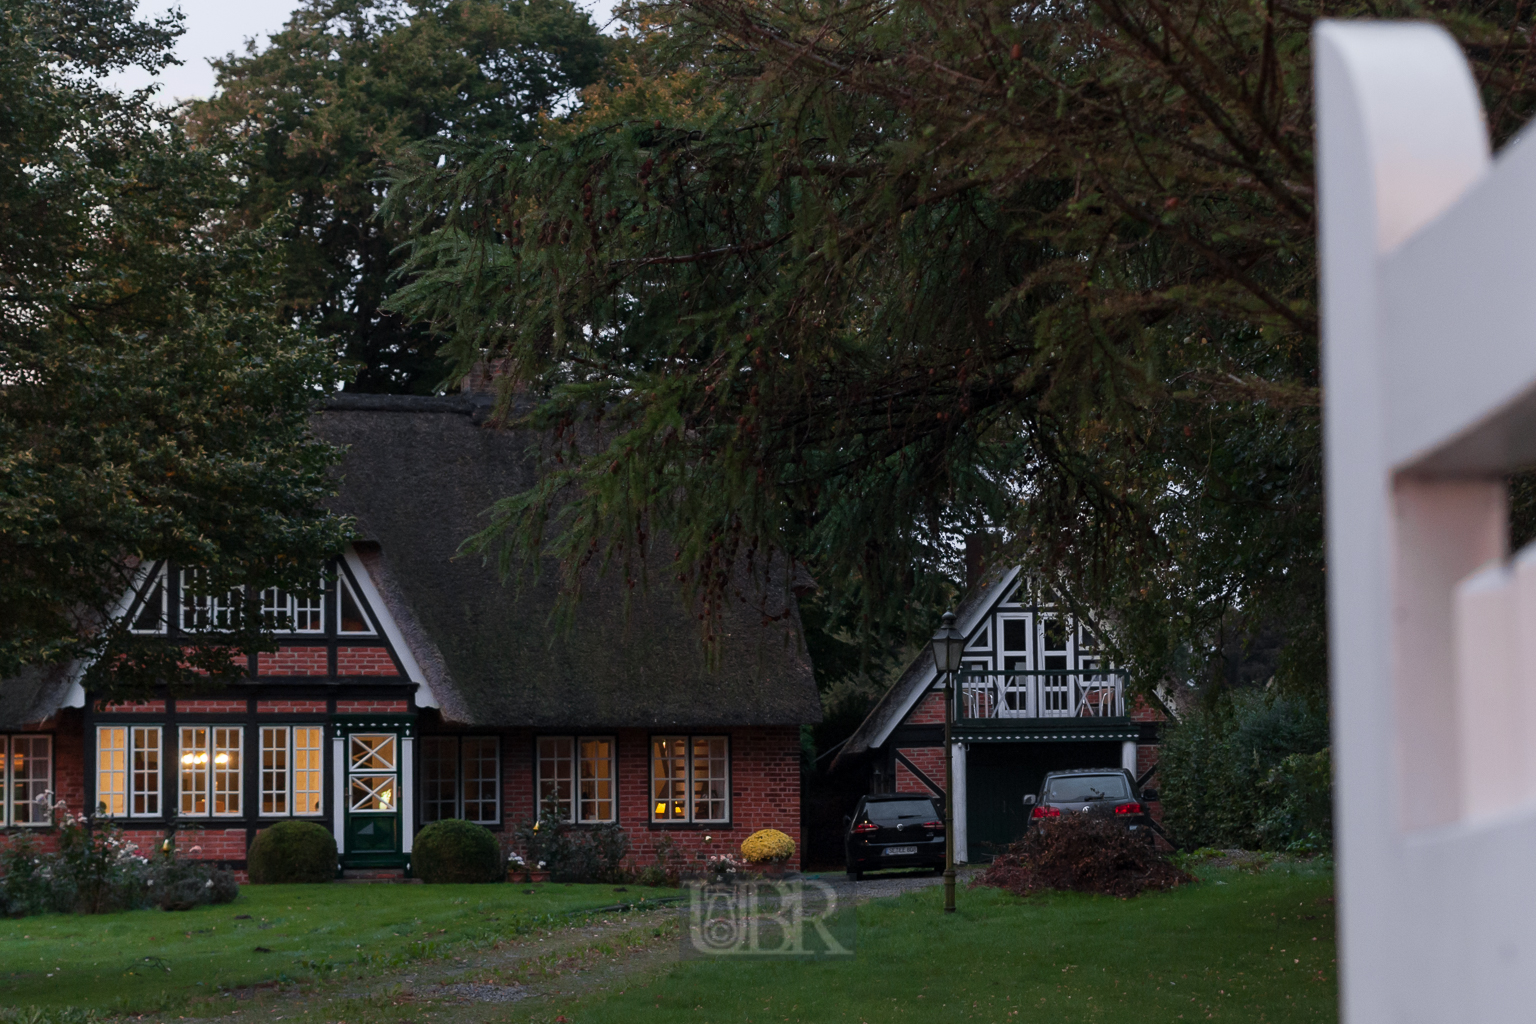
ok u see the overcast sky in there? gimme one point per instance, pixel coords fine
(215, 27)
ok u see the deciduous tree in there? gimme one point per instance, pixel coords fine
(151, 406)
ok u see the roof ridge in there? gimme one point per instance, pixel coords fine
(354, 401)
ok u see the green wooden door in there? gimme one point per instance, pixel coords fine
(372, 834)
(997, 775)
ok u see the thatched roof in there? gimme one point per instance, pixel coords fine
(420, 473)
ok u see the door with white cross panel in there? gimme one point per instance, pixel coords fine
(373, 799)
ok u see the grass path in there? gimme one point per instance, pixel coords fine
(272, 936)
(1238, 946)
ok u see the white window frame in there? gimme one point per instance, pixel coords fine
(344, 589)
(36, 815)
(1016, 694)
(431, 759)
(358, 772)
(158, 580)
(212, 761)
(1056, 692)
(204, 613)
(480, 780)
(569, 771)
(459, 759)
(664, 807)
(280, 606)
(141, 789)
(589, 808)
(283, 782)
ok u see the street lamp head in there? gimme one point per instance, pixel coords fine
(948, 644)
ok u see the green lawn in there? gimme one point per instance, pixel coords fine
(151, 959)
(1236, 946)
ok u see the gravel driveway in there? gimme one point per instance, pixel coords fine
(876, 887)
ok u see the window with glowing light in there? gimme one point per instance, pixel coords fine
(209, 764)
(128, 771)
(690, 778)
(372, 775)
(291, 770)
(577, 774)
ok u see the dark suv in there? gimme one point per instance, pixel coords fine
(1107, 792)
(894, 830)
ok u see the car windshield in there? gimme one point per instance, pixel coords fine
(1072, 789)
(893, 811)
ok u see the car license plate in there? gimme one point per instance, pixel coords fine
(897, 851)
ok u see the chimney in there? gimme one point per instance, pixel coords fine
(979, 549)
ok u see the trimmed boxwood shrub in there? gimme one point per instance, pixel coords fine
(292, 851)
(454, 850)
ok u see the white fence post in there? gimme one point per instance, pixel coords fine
(1428, 252)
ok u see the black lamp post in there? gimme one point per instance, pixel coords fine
(948, 645)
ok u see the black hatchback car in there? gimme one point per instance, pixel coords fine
(1106, 792)
(894, 830)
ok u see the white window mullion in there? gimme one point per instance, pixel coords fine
(276, 758)
(308, 770)
(112, 770)
(144, 782)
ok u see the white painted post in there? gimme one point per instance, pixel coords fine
(1428, 252)
(407, 794)
(1128, 756)
(962, 839)
(339, 792)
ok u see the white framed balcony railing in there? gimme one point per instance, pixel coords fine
(1040, 693)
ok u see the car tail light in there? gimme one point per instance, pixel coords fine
(1128, 809)
(866, 826)
(937, 826)
(1045, 811)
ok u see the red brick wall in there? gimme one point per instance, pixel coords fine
(290, 707)
(930, 760)
(205, 707)
(369, 707)
(765, 793)
(69, 760)
(148, 707)
(364, 661)
(1141, 711)
(929, 711)
(294, 661)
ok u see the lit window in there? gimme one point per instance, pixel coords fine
(461, 778)
(210, 770)
(371, 780)
(595, 775)
(291, 770)
(690, 778)
(283, 612)
(578, 774)
(27, 776)
(128, 771)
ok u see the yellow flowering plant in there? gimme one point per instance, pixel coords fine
(768, 846)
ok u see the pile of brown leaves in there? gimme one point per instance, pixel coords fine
(1084, 854)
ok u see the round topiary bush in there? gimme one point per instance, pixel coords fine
(456, 851)
(292, 851)
(768, 846)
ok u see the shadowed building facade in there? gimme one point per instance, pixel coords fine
(414, 685)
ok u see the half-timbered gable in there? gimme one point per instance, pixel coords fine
(1036, 693)
(412, 684)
